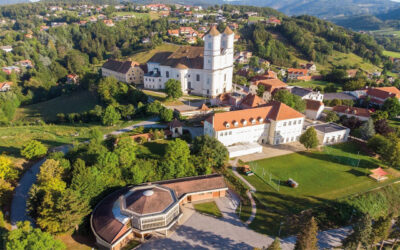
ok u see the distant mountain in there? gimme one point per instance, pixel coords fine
(326, 9)
(389, 19)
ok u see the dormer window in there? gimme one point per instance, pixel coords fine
(235, 123)
(244, 122)
(227, 125)
(260, 120)
(253, 121)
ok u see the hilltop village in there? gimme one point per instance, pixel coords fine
(155, 126)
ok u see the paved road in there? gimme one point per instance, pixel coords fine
(206, 232)
(150, 123)
(18, 205)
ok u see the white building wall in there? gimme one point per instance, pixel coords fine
(333, 137)
(314, 114)
(287, 131)
(249, 134)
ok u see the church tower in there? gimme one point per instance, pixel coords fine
(212, 49)
(227, 46)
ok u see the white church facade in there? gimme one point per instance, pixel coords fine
(205, 71)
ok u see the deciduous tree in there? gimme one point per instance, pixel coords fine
(110, 116)
(309, 138)
(173, 88)
(33, 149)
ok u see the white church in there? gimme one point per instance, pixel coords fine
(205, 71)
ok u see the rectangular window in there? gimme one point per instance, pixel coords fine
(225, 77)
(167, 74)
(290, 123)
(198, 77)
(284, 124)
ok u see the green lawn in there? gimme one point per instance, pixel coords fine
(210, 208)
(312, 84)
(13, 138)
(321, 177)
(144, 56)
(391, 53)
(76, 102)
(153, 149)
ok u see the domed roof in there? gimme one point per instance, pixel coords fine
(228, 31)
(150, 200)
(181, 66)
(213, 31)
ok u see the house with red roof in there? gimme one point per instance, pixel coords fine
(252, 101)
(270, 86)
(314, 109)
(360, 113)
(5, 86)
(297, 74)
(275, 123)
(379, 95)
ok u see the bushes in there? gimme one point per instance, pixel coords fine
(33, 149)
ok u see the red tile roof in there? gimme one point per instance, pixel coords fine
(276, 111)
(271, 84)
(298, 71)
(352, 111)
(313, 105)
(252, 101)
(384, 92)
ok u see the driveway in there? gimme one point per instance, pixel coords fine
(18, 205)
(149, 123)
(270, 151)
(206, 232)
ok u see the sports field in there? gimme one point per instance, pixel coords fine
(322, 176)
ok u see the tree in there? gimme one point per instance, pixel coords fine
(390, 154)
(289, 99)
(26, 237)
(173, 88)
(176, 160)
(368, 129)
(377, 143)
(382, 127)
(276, 245)
(7, 170)
(110, 116)
(260, 90)
(61, 212)
(330, 88)
(96, 135)
(331, 116)
(361, 235)
(125, 150)
(309, 138)
(354, 85)
(381, 229)
(254, 62)
(392, 107)
(166, 114)
(33, 150)
(379, 115)
(307, 236)
(211, 150)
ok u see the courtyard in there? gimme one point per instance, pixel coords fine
(323, 176)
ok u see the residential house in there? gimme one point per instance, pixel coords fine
(331, 133)
(360, 113)
(351, 73)
(273, 21)
(379, 95)
(270, 86)
(273, 124)
(314, 109)
(124, 71)
(5, 86)
(11, 69)
(25, 64)
(205, 71)
(227, 99)
(72, 79)
(44, 28)
(176, 127)
(307, 94)
(297, 74)
(108, 22)
(173, 33)
(311, 67)
(6, 48)
(243, 56)
(251, 101)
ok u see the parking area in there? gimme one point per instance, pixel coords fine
(270, 151)
(206, 232)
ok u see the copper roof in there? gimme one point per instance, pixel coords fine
(140, 203)
(213, 31)
(276, 111)
(189, 56)
(313, 105)
(228, 31)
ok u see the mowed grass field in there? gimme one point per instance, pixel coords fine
(312, 84)
(152, 14)
(143, 57)
(322, 177)
(76, 102)
(391, 53)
